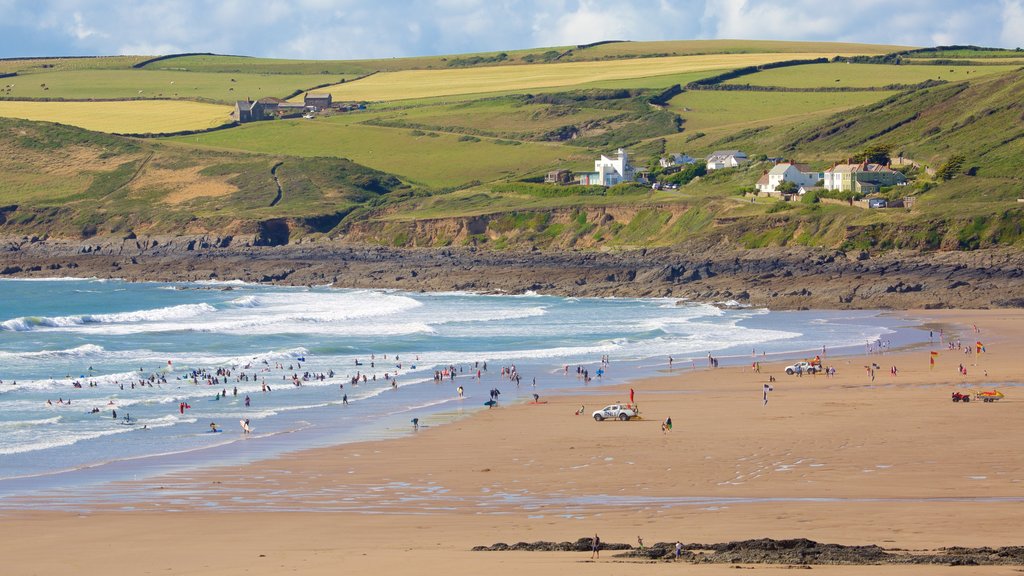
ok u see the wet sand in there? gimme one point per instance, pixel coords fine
(892, 462)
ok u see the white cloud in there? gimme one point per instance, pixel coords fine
(591, 22)
(382, 28)
(1012, 35)
(146, 49)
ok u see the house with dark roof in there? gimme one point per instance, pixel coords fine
(317, 101)
(863, 178)
(249, 111)
(726, 159)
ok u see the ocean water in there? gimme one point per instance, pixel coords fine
(135, 347)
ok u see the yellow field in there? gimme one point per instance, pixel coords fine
(127, 117)
(408, 84)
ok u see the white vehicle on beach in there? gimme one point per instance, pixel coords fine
(613, 411)
(805, 367)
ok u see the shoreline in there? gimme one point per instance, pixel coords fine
(777, 278)
(529, 473)
(641, 369)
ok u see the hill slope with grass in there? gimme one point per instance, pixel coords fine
(459, 165)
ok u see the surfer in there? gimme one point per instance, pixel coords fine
(461, 391)
(536, 398)
(415, 423)
(344, 400)
(213, 427)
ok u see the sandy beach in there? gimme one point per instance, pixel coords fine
(848, 459)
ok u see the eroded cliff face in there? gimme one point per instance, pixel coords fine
(781, 278)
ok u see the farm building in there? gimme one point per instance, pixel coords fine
(725, 159)
(862, 178)
(561, 176)
(787, 172)
(318, 101)
(249, 111)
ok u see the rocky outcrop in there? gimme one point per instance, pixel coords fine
(779, 278)
(798, 552)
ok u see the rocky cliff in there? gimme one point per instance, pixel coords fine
(779, 278)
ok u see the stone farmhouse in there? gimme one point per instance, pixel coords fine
(251, 111)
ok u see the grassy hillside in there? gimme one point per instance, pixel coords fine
(108, 185)
(36, 65)
(600, 51)
(124, 84)
(408, 84)
(457, 153)
(842, 74)
(432, 159)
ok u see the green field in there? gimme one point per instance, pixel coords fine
(718, 113)
(243, 64)
(132, 117)
(436, 160)
(967, 54)
(505, 117)
(35, 65)
(121, 84)
(411, 84)
(696, 47)
(841, 74)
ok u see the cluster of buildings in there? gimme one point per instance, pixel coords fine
(253, 110)
(863, 178)
(616, 170)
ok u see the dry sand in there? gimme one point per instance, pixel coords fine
(891, 462)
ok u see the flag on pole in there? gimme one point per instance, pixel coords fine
(981, 347)
(630, 395)
(934, 353)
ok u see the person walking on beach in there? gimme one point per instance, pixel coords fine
(679, 549)
(595, 547)
(666, 426)
(764, 394)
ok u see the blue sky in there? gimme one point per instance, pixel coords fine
(346, 29)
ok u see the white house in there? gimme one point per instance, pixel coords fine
(788, 172)
(726, 159)
(609, 172)
(676, 160)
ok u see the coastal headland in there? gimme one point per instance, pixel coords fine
(866, 457)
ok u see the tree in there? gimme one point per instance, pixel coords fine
(787, 187)
(951, 168)
(875, 154)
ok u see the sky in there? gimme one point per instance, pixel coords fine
(351, 29)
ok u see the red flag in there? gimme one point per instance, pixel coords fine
(630, 395)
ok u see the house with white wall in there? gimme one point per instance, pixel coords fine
(609, 171)
(726, 159)
(798, 174)
(676, 160)
(863, 178)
